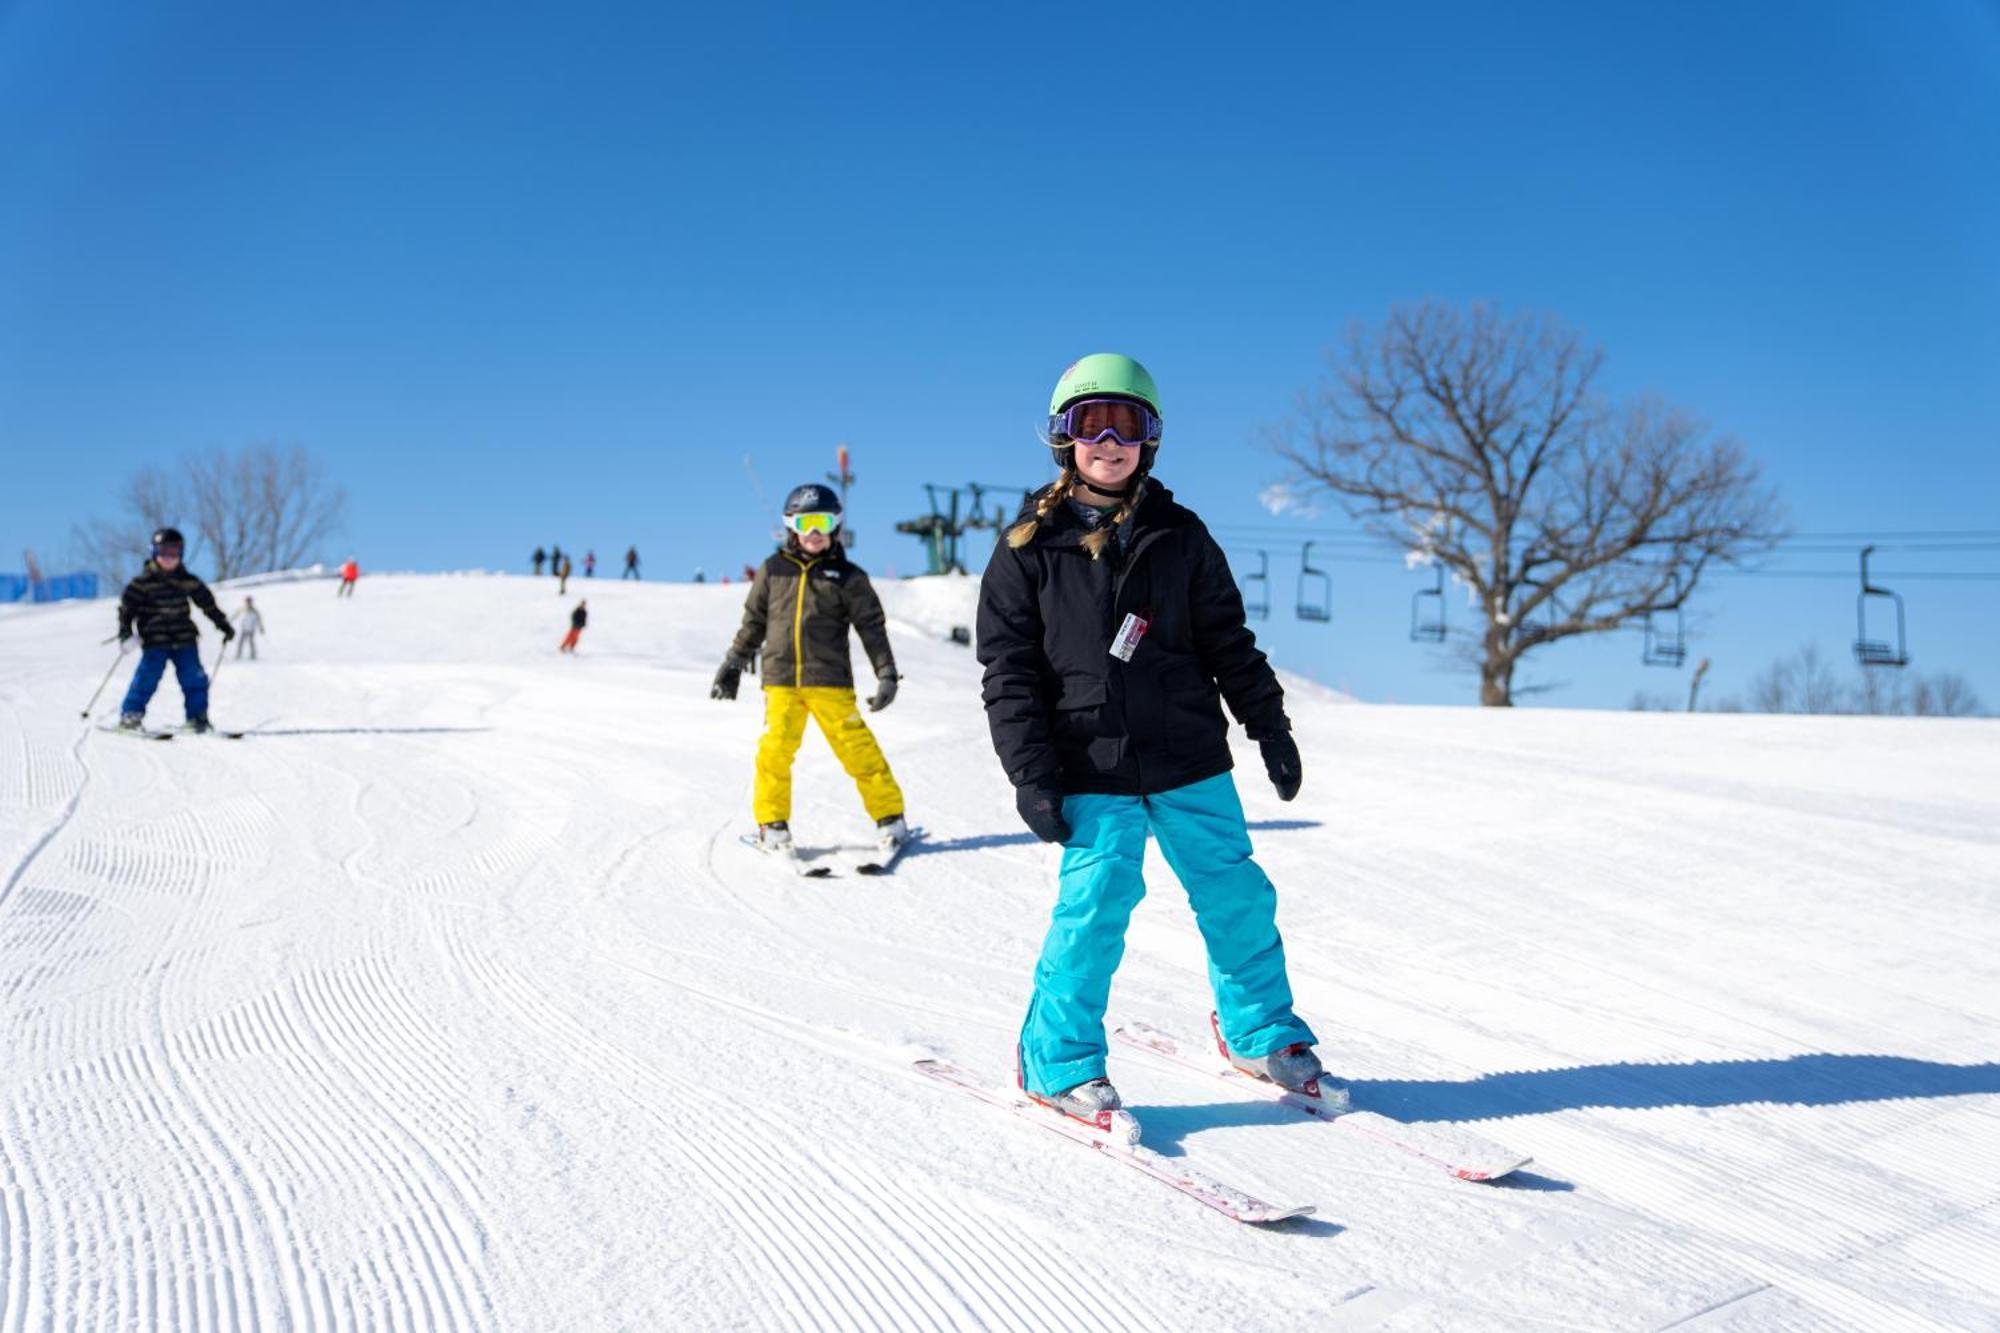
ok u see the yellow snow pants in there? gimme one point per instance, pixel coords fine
(785, 711)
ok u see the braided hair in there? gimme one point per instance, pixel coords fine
(1097, 538)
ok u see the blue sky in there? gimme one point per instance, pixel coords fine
(538, 276)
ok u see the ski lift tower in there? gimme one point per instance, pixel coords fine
(843, 477)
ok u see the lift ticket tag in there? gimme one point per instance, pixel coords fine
(1127, 641)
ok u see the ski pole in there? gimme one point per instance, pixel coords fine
(221, 656)
(106, 681)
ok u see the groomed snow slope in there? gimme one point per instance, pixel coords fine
(449, 1000)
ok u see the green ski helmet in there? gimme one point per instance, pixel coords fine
(1103, 375)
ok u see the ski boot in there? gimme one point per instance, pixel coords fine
(1295, 1068)
(775, 836)
(131, 722)
(198, 725)
(891, 832)
(1097, 1104)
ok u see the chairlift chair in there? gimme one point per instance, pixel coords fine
(1311, 579)
(1533, 631)
(1427, 626)
(1665, 646)
(1877, 652)
(1259, 606)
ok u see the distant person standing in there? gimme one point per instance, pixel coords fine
(540, 557)
(555, 560)
(562, 576)
(590, 564)
(631, 564)
(577, 619)
(349, 572)
(699, 576)
(249, 624)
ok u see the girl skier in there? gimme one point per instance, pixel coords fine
(1111, 630)
(798, 612)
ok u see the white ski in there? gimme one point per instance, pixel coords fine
(1118, 1142)
(1466, 1155)
(884, 862)
(800, 866)
(137, 733)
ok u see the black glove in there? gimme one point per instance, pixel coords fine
(228, 632)
(726, 678)
(124, 635)
(1040, 805)
(1281, 761)
(885, 692)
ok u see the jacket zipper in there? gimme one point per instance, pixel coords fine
(798, 623)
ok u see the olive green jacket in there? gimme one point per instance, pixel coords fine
(798, 613)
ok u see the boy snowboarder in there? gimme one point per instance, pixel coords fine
(156, 604)
(800, 607)
(249, 624)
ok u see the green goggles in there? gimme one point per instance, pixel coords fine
(813, 521)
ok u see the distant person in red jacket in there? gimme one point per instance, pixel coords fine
(576, 623)
(349, 572)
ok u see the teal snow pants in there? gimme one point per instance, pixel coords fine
(1202, 834)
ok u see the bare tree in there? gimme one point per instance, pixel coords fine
(243, 511)
(261, 508)
(1801, 683)
(1478, 441)
(115, 548)
(1946, 694)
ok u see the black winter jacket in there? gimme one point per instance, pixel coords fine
(797, 614)
(1061, 708)
(579, 618)
(157, 602)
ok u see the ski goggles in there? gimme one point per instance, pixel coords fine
(817, 520)
(171, 550)
(1093, 420)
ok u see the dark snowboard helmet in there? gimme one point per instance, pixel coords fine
(169, 537)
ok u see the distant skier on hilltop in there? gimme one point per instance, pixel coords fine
(156, 605)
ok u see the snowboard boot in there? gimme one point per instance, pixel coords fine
(131, 722)
(775, 836)
(891, 832)
(1295, 1068)
(199, 725)
(1097, 1104)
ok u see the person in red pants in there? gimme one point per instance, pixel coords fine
(577, 619)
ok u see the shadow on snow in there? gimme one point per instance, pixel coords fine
(1798, 1080)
